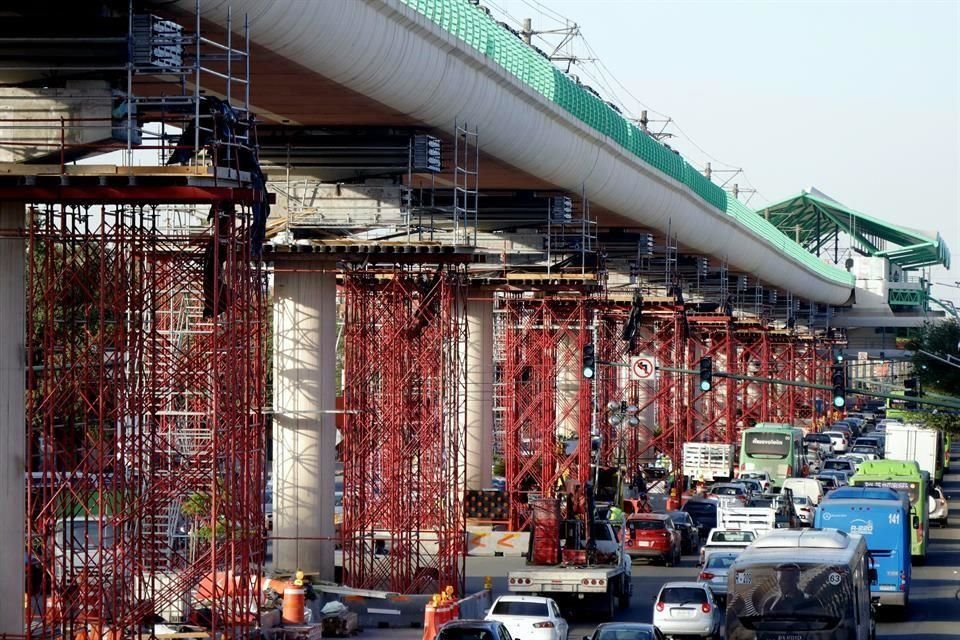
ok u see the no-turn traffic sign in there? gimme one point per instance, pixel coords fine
(642, 368)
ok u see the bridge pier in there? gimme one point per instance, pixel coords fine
(12, 422)
(304, 432)
(479, 410)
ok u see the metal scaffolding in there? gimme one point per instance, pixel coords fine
(547, 414)
(403, 435)
(145, 434)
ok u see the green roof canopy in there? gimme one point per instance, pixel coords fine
(814, 218)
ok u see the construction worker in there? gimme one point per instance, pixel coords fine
(615, 515)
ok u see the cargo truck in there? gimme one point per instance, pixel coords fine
(708, 461)
(577, 561)
(914, 442)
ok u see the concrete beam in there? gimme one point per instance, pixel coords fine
(12, 421)
(304, 430)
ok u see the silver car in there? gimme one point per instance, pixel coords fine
(714, 574)
(687, 609)
(939, 507)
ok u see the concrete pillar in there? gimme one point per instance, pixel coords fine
(12, 420)
(479, 422)
(304, 429)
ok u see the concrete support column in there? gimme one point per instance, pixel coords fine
(304, 430)
(12, 420)
(479, 423)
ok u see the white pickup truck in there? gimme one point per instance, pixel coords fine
(726, 539)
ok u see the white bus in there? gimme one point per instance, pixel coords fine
(806, 584)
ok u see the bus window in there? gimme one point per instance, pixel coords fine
(790, 596)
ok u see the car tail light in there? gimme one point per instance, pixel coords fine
(789, 471)
(513, 581)
(585, 581)
(659, 606)
(543, 625)
(903, 581)
(706, 575)
(705, 607)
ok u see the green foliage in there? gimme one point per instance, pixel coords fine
(499, 467)
(943, 339)
(948, 422)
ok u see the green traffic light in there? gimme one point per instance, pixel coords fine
(705, 386)
(588, 372)
(838, 401)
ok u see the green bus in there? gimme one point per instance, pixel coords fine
(774, 448)
(905, 477)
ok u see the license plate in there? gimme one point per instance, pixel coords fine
(553, 587)
(779, 636)
(888, 587)
(643, 543)
(682, 613)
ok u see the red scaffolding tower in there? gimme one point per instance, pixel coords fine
(547, 401)
(144, 417)
(403, 436)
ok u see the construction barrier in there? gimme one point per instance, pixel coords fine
(474, 607)
(497, 543)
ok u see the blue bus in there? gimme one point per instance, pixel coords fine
(882, 517)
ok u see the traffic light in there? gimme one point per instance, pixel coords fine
(838, 379)
(706, 374)
(589, 361)
(911, 390)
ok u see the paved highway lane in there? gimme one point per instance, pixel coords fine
(934, 608)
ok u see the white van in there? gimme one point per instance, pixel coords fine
(808, 487)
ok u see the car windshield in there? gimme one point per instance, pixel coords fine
(761, 503)
(726, 491)
(624, 633)
(800, 500)
(521, 608)
(720, 561)
(734, 536)
(817, 437)
(679, 517)
(683, 595)
(465, 633)
(700, 508)
(841, 465)
(645, 525)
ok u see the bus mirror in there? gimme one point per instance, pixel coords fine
(916, 522)
(873, 575)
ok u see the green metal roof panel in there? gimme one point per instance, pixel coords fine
(814, 218)
(470, 24)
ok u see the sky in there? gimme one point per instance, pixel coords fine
(859, 99)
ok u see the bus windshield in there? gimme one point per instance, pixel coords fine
(790, 597)
(768, 445)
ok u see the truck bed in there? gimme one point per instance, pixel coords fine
(563, 579)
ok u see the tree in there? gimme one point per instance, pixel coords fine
(941, 339)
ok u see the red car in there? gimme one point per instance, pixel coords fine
(652, 535)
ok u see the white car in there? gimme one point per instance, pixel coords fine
(687, 609)
(760, 476)
(804, 509)
(939, 507)
(839, 440)
(529, 617)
